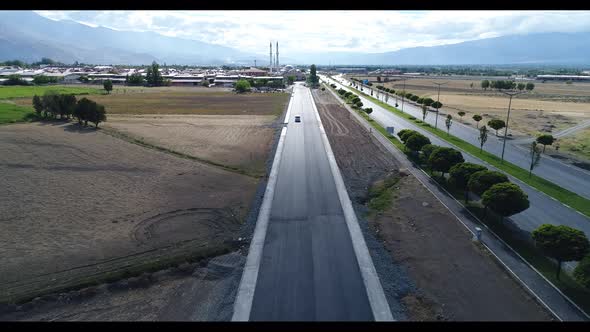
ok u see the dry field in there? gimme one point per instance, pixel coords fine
(550, 106)
(79, 204)
(237, 141)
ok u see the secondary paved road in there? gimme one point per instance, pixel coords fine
(567, 176)
(309, 270)
(543, 209)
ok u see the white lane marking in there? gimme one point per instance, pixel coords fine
(286, 120)
(243, 303)
(375, 294)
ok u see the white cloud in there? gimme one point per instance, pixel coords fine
(326, 31)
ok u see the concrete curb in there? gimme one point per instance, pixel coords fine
(245, 295)
(377, 299)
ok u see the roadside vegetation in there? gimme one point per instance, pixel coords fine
(563, 195)
(494, 198)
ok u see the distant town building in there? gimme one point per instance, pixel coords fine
(563, 77)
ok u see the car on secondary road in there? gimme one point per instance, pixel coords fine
(297, 118)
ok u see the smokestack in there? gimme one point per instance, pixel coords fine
(271, 57)
(277, 56)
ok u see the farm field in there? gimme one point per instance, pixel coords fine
(577, 144)
(78, 205)
(238, 141)
(10, 113)
(550, 107)
(7, 92)
(187, 102)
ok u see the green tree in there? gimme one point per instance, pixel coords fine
(505, 199)
(83, 110)
(416, 141)
(483, 137)
(477, 118)
(485, 84)
(535, 156)
(520, 86)
(242, 86)
(428, 101)
(437, 105)
(545, 140)
(459, 176)
(481, 181)
(67, 104)
(37, 105)
(427, 150)
(442, 159)
(414, 98)
(561, 243)
(136, 79)
(404, 134)
(358, 104)
(153, 76)
(530, 86)
(291, 79)
(98, 114)
(205, 82)
(461, 114)
(497, 124)
(424, 112)
(108, 86)
(582, 272)
(368, 110)
(448, 123)
(313, 78)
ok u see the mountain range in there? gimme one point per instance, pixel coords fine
(27, 36)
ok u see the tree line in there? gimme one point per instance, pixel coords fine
(506, 85)
(498, 194)
(66, 106)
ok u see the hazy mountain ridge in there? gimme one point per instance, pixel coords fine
(27, 36)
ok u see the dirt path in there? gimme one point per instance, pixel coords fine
(455, 279)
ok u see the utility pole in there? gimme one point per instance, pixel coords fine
(437, 102)
(511, 94)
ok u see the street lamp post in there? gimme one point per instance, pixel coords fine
(437, 102)
(511, 94)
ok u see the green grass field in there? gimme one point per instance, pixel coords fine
(7, 92)
(11, 113)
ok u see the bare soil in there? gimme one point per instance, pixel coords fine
(78, 204)
(239, 141)
(201, 291)
(456, 279)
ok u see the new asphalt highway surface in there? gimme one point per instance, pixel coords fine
(569, 177)
(308, 269)
(543, 209)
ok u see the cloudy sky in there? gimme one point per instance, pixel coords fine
(325, 31)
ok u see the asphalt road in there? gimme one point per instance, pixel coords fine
(543, 209)
(567, 176)
(309, 271)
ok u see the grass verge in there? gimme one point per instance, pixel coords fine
(563, 195)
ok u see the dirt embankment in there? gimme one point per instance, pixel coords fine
(455, 279)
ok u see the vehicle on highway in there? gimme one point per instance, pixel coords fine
(297, 118)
